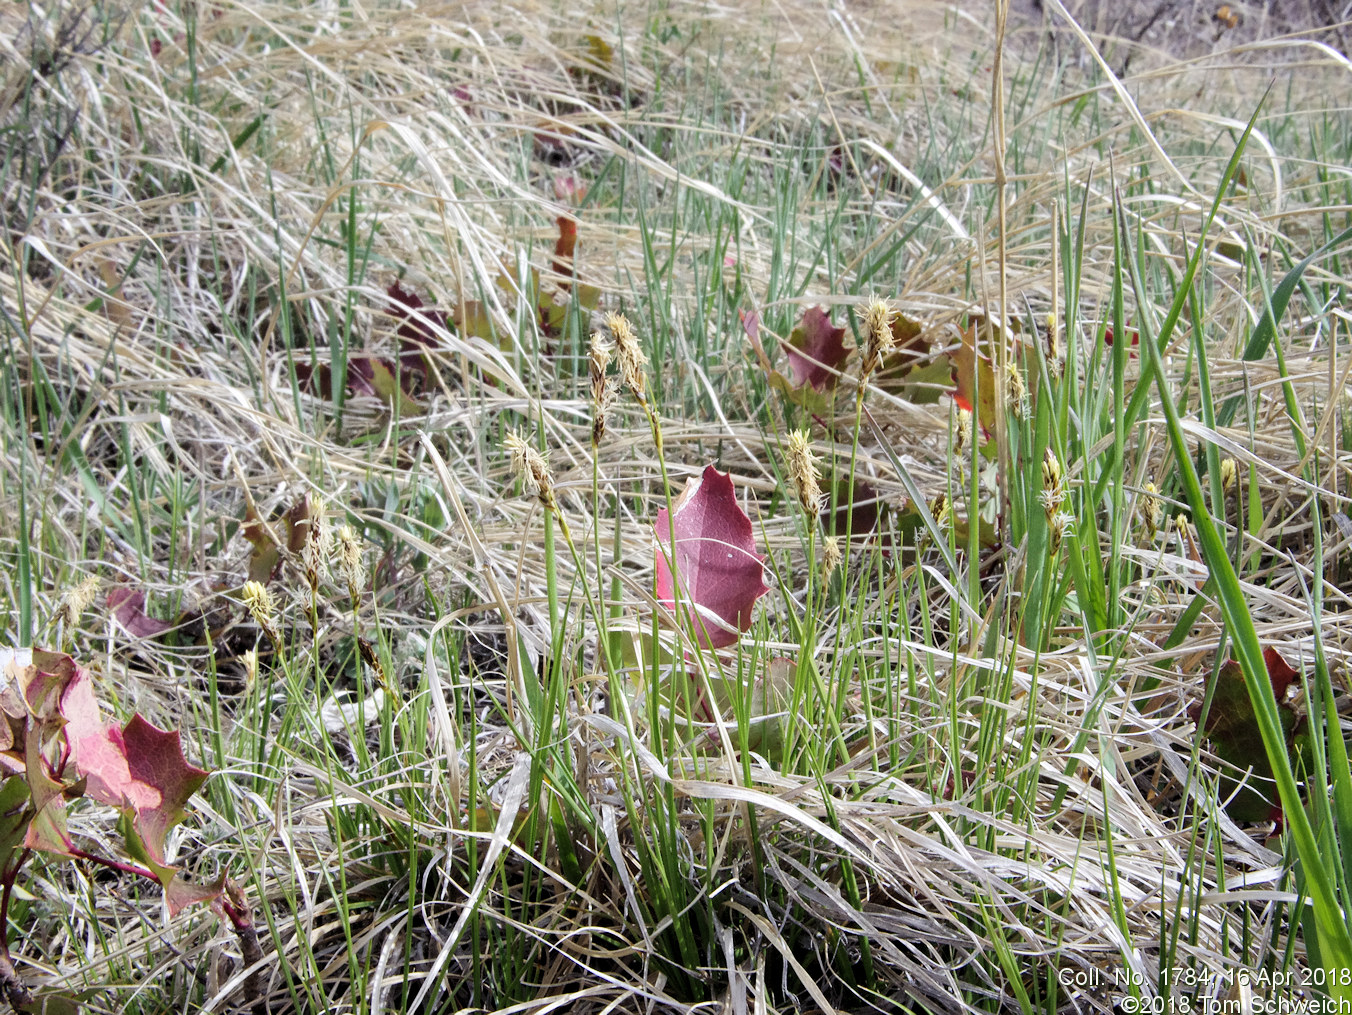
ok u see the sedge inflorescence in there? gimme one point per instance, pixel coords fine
(533, 468)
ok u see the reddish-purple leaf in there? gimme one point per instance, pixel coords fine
(718, 570)
(129, 607)
(317, 379)
(565, 246)
(816, 351)
(858, 513)
(140, 769)
(67, 750)
(1232, 729)
(750, 324)
(367, 375)
(417, 328)
(1280, 673)
(155, 761)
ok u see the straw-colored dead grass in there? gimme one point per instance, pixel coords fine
(143, 287)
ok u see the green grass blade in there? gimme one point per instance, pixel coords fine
(1334, 942)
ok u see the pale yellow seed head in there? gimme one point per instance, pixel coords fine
(831, 555)
(532, 467)
(599, 352)
(260, 604)
(517, 450)
(1150, 510)
(250, 660)
(1229, 474)
(803, 471)
(964, 434)
(349, 559)
(629, 354)
(878, 316)
(1180, 525)
(878, 329)
(78, 599)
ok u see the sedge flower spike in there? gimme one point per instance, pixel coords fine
(629, 354)
(318, 548)
(1229, 474)
(964, 430)
(831, 555)
(259, 602)
(262, 607)
(349, 561)
(878, 327)
(1151, 511)
(1053, 483)
(532, 467)
(78, 599)
(803, 471)
(602, 393)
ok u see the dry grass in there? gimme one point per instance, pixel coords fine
(234, 194)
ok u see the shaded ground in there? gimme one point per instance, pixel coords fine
(1153, 31)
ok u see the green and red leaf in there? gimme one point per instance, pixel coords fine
(816, 351)
(1235, 738)
(974, 378)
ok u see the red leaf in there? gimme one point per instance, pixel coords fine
(717, 566)
(416, 329)
(140, 769)
(156, 766)
(317, 378)
(565, 246)
(860, 520)
(750, 324)
(1232, 729)
(1132, 332)
(816, 351)
(128, 606)
(1279, 672)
